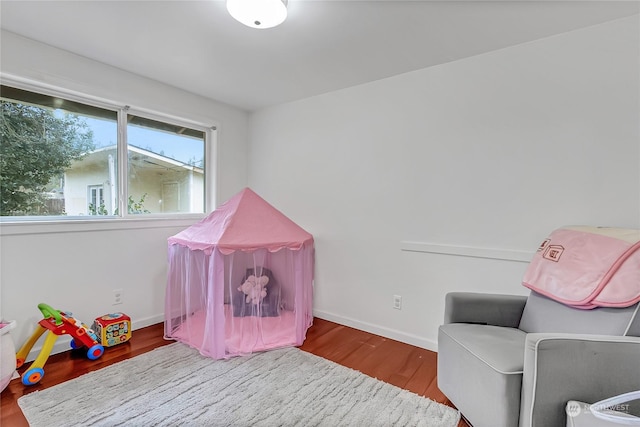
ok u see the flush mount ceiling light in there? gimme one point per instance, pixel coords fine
(258, 13)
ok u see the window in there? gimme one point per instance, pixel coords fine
(63, 157)
(166, 166)
(96, 200)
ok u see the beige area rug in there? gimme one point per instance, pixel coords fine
(175, 386)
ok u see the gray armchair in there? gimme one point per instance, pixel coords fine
(508, 361)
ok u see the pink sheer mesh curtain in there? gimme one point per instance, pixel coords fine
(304, 281)
(239, 303)
(270, 317)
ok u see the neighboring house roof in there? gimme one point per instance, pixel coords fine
(147, 159)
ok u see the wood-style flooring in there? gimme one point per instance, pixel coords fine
(400, 364)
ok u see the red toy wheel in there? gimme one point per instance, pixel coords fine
(95, 352)
(75, 345)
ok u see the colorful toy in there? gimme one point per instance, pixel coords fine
(57, 323)
(112, 329)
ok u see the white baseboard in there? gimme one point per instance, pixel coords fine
(147, 321)
(61, 345)
(379, 330)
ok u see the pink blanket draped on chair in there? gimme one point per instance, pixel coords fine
(587, 267)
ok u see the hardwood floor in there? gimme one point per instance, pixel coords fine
(400, 364)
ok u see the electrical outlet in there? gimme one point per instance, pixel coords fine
(397, 302)
(118, 296)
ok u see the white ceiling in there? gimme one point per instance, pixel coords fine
(321, 47)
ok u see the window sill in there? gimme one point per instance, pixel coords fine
(13, 227)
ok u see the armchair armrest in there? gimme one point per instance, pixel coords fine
(486, 309)
(563, 367)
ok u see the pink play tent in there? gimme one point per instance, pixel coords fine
(240, 280)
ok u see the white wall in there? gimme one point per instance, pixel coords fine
(492, 151)
(75, 267)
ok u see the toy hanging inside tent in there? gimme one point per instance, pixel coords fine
(57, 323)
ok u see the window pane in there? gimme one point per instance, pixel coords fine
(52, 150)
(166, 167)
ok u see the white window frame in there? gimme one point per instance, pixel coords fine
(17, 225)
(90, 190)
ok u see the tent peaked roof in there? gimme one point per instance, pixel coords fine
(245, 222)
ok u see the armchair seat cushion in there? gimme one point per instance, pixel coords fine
(486, 382)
